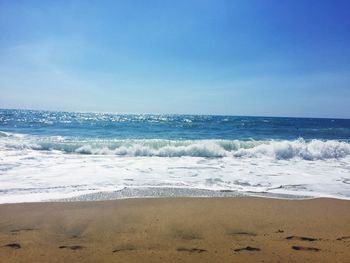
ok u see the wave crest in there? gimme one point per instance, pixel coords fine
(283, 150)
(312, 150)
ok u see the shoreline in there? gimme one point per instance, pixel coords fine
(178, 192)
(170, 192)
(225, 229)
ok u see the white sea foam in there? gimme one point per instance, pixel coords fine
(36, 168)
(313, 150)
(285, 149)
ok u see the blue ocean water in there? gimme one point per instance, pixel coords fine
(170, 127)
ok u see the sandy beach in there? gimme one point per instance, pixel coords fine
(174, 131)
(244, 229)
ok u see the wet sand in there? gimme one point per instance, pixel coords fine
(239, 229)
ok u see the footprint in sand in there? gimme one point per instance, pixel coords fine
(191, 250)
(124, 248)
(314, 249)
(247, 248)
(302, 238)
(242, 233)
(76, 247)
(15, 231)
(344, 237)
(13, 245)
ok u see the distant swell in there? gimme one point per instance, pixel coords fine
(284, 149)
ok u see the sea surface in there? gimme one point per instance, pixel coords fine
(47, 155)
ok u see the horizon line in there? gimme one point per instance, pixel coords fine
(180, 114)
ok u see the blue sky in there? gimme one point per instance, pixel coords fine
(271, 58)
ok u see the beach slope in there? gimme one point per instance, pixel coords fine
(243, 229)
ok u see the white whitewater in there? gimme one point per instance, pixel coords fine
(38, 169)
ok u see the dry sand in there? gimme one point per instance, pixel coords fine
(177, 230)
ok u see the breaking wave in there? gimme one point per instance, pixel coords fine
(282, 149)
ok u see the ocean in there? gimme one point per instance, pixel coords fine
(46, 155)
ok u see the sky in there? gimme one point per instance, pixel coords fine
(245, 57)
